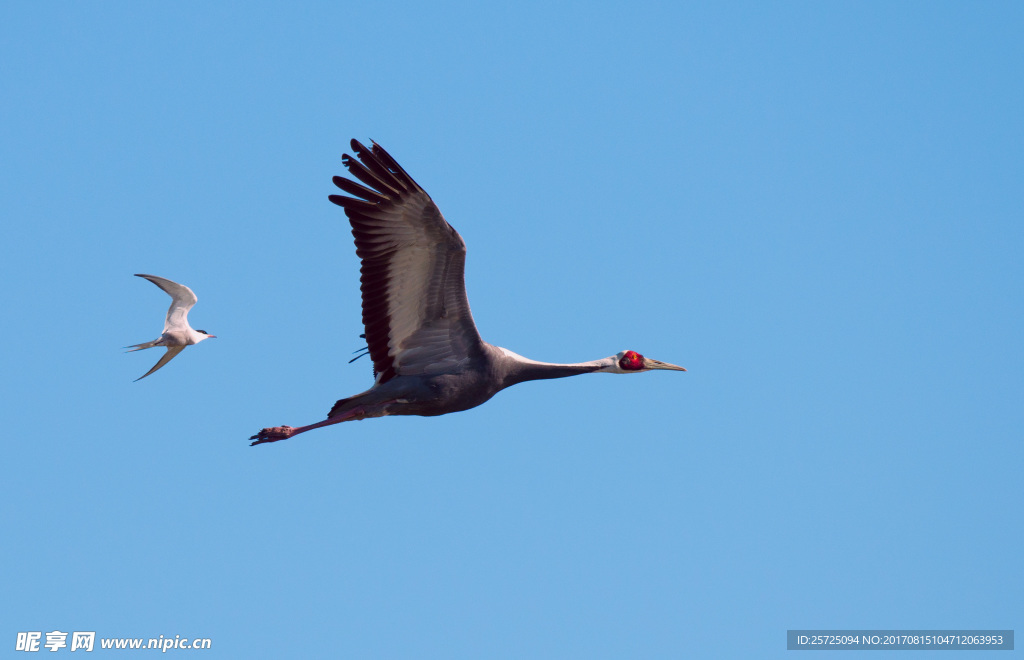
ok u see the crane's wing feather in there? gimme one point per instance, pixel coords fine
(182, 300)
(415, 308)
(167, 357)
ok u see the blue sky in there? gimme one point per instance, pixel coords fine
(815, 207)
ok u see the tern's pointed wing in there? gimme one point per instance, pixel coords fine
(414, 295)
(182, 300)
(168, 356)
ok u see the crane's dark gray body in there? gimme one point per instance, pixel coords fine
(428, 357)
(481, 378)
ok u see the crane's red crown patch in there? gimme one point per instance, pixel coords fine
(631, 361)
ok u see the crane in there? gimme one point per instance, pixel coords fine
(428, 357)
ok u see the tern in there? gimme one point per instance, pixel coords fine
(177, 332)
(428, 357)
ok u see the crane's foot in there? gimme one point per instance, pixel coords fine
(272, 434)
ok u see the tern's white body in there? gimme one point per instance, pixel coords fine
(177, 332)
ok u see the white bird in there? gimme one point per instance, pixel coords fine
(177, 332)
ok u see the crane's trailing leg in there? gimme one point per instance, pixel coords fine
(275, 433)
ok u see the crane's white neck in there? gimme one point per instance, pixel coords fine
(521, 369)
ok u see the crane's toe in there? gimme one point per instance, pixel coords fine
(272, 434)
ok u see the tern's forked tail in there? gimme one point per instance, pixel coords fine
(145, 344)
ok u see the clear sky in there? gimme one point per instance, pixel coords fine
(817, 208)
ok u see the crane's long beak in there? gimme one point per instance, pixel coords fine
(658, 364)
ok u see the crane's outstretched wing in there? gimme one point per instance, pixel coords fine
(168, 356)
(182, 300)
(415, 309)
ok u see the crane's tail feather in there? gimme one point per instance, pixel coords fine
(338, 408)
